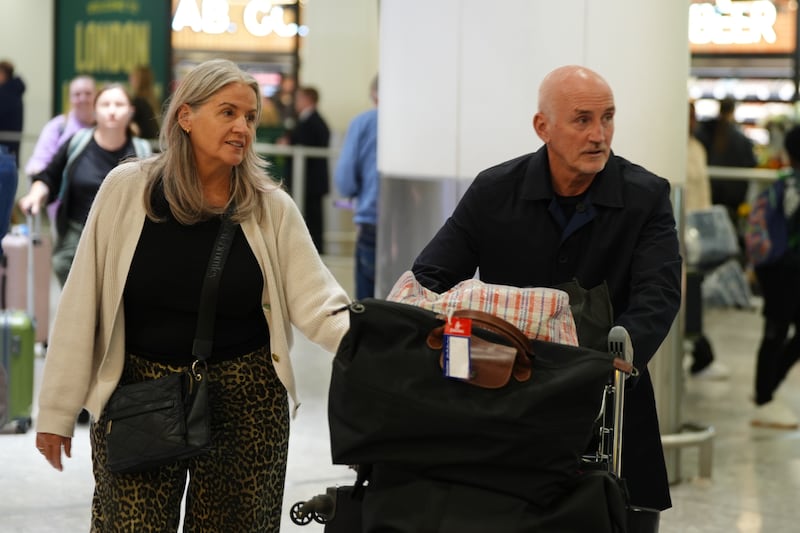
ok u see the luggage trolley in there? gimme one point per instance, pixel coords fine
(339, 508)
(609, 431)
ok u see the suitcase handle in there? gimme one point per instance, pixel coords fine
(499, 326)
(34, 223)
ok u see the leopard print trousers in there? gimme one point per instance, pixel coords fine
(237, 486)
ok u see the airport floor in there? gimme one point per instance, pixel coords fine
(754, 485)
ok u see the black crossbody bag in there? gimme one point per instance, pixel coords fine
(159, 421)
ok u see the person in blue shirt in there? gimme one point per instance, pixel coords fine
(356, 177)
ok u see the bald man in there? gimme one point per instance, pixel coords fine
(573, 210)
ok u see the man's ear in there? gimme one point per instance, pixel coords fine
(540, 127)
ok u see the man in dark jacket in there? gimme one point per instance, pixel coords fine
(11, 110)
(727, 146)
(575, 211)
(311, 130)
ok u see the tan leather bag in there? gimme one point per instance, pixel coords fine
(492, 361)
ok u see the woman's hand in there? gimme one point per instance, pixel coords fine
(50, 445)
(35, 199)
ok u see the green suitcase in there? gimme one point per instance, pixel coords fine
(16, 374)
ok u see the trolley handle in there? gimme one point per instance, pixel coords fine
(621, 347)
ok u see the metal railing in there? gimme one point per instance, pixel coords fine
(299, 155)
(756, 178)
(752, 175)
(6, 136)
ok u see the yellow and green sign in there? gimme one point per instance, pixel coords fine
(106, 39)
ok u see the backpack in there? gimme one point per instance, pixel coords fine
(766, 234)
(78, 143)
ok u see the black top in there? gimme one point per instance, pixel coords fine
(725, 145)
(570, 204)
(87, 172)
(162, 294)
(312, 131)
(12, 111)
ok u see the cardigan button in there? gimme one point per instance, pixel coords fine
(276, 357)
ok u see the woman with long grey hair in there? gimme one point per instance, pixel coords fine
(129, 311)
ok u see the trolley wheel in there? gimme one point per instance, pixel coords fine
(320, 519)
(299, 516)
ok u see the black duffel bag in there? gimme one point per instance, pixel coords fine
(390, 404)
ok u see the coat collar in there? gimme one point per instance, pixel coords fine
(606, 189)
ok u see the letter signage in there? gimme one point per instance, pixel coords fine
(246, 25)
(735, 26)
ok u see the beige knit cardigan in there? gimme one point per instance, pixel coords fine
(86, 350)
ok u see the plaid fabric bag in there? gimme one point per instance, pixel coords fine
(539, 312)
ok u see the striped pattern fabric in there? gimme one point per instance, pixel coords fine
(540, 313)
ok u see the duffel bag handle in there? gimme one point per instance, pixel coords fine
(519, 366)
(499, 326)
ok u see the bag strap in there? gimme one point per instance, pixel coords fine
(204, 335)
(77, 144)
(521, 366)
(142, 147)
(499, 326)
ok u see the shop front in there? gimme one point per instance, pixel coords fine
(107, 39)
(263, 37)
(747, 50)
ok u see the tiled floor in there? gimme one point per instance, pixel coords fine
(756, 472)
(754, 487)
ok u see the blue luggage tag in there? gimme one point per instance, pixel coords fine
(457, 332)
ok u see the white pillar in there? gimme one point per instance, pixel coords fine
(459, 78)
